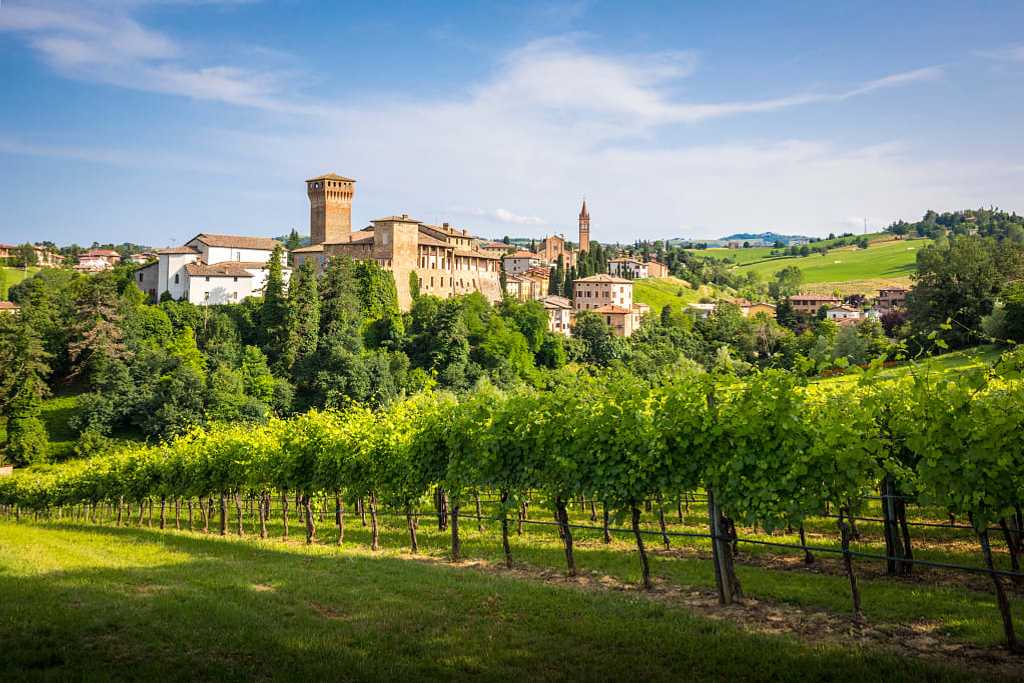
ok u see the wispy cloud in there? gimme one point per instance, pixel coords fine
(499, 215)
(1010, 53)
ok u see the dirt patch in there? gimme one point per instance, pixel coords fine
(919, 639)
(327, 612)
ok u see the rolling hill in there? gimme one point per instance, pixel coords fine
(658, 292)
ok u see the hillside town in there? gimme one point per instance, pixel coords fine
(435, 260)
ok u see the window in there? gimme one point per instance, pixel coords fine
(176, 278)
(140, 277)
(235, 279)
(207, 278)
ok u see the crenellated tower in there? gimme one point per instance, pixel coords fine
(584, 228)
(330, 208)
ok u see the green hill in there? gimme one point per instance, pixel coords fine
(658, 292)
(11, 277)
(892, 260)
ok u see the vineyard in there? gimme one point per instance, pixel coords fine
(884, 477)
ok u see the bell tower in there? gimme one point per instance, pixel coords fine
(330, 207)
(584, 228)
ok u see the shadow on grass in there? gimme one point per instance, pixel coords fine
(105, 602)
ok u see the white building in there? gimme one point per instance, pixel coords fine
(559, 310)
(844, 313)
(520, 262)
(628, 267)
(210, 269)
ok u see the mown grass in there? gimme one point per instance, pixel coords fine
(100, 603)
(668, 291)
(886, 260)
(12, 276)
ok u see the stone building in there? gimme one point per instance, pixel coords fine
(446, 261)
(810, 304)
(520, 262)
(559, 310)
(584, 228)
(611, 298)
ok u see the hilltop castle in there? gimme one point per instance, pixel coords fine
(446, 261)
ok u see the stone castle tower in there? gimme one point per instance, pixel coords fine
(330, 207)
(584, 228)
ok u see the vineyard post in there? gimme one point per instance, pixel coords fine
(479, 518)
(261, 505)
(661, 521)
(410, 521)
(456, 541)
(504, 529)
(189, 504)
(120, 508)
(238, 512)
(307, 511)
(374, 528)
(284, 513)
(607, 533)
(163, 512)
(844, 530)
(719, 551)
(177, 513)
(339, 517)
(1001, 599)
(563, 517)
(645, 569)
(223, 514)
(808, 557)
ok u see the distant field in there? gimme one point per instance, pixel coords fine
(13, 276)
(886, 261)
(664, 291)
(739, 256)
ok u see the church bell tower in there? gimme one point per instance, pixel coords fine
(584, 228)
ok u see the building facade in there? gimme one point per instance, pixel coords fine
(520, 262)
(210, 269)
(593, 292)
(584, 228)
(559, 310)
(445, 261)
(892, 299)
(809, 304)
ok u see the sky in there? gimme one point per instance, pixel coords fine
(149, 121)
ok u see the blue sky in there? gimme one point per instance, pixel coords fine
(152, 120)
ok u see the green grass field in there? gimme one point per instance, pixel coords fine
(885, 261)
(11, 277)
(101, 603)
(663, 291)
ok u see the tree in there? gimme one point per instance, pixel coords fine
(97, 334)
(303, 318)
(601, 346)
(959, 283)
(273, 315)
(28, 256)
(786, 283)
(1013, 312)
(294, 241)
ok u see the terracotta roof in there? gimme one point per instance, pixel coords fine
(404, 218)
(555, 301)
(477, 254)
(154, 264)
(240, 241)
(624, 259)
(331, 176)
(178, 250)
(814, 297)
(311, 249)
(429, 241)
(523, 254)
(224, 269)
(9, 306)
(491, 244)
(613, 309)
(606, 278)
(100, 252)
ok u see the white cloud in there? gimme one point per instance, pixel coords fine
(1010, 53)
(555, 121)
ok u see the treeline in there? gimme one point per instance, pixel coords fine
(984, 222)
(769, 450)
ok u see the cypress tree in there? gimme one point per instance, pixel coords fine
(273, 315)
(303, 317)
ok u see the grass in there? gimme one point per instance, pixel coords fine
(102, 603)
(974, 358)
(12, 276)
(882, 261)
(664, 291)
